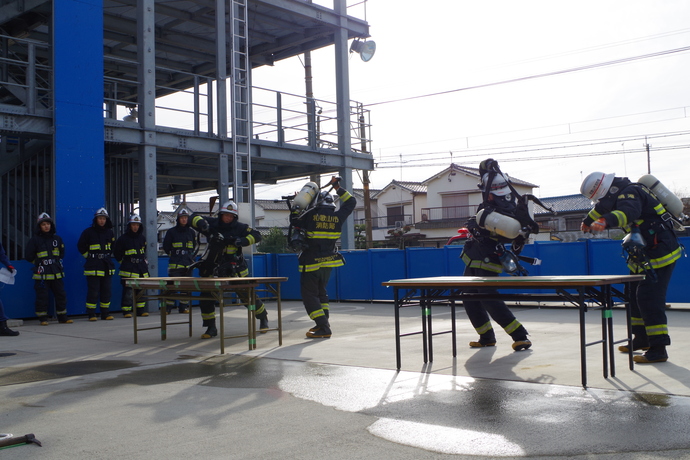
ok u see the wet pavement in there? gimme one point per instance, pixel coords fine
(88, 392)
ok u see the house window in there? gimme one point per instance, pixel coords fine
(395, 214)
(455, 206)
(572, 223)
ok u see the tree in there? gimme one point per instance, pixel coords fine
(275, 242)
(360, 236)
(398, 235)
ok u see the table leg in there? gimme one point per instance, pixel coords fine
(280, 316)
(628, 320)
(452, 327)
(164, 320)
(609, 319)
(583, 338)
(221, 302)
(425, 331)
(137, 294)
(396, 309)
(251, 327)
(430, 333)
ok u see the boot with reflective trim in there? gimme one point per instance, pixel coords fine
(637, 344)
(263, 324)
(522, 344)
(63, 319)
(488, 339)
(653, 355)
(319, 332)
(92, 315)
(211, 330)
(105, 314)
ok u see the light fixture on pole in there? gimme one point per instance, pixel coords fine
(365, 49)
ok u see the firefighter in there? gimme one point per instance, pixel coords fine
(321, 227)
(620, 203)
(481, 257)
(179, 243)
(226, 237)
(95, 244)
(46, 251)
(130, 252)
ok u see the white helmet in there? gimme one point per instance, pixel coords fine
(499, 186)
(596, 185)
(43, 217)
(134, 219)
(229, 207)
(183, 212)
(102, 212)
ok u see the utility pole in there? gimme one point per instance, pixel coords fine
(365, 183)
(649, 161)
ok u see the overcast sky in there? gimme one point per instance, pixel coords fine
(553, 90)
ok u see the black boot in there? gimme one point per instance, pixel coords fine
(263, 323)
(105, 314)
(92, 314)
(487, 339)
(655, 354)
(6, 331)
(63, 319)
(211, 330)
(43, 320)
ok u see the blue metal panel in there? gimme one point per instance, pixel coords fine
(606, 258)
(79, 147)
(386, 265)
(423, 262)
(454, 264)
(678, 291)
(354, 278)
(287, 266)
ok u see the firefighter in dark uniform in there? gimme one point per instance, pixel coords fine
(632, 207)
(321, 226)
(179, 244)
(226, 237)
(46, 251)
(130, 252)
(481, 257)
(95, 244)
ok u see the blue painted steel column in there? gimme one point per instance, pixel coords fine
(78, 140)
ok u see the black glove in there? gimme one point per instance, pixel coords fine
(202, 225)
(238, 243)
(216, 237)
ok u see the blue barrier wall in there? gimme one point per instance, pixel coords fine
(361, 277)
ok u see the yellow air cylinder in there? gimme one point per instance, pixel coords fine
(305, 196)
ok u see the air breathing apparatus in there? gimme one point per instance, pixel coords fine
(634, 245)
(668, 199)
(308, 198)
(517, 226)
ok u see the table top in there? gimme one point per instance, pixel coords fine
(514, 281)
(193, 283)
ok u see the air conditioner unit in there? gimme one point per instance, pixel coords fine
(399, 224)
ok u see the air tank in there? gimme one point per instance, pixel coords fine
(305, 196)
(670, 201)
(499, 224)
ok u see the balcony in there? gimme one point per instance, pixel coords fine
(446, 216)
(378, 223)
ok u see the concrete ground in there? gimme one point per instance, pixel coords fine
(88, 392)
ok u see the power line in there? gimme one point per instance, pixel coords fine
(541, 75)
